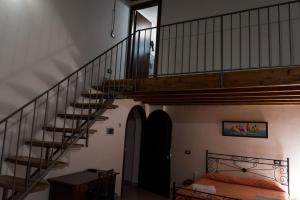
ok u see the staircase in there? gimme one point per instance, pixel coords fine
(35, 137)
(84, 115)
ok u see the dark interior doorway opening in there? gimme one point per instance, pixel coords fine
(131, 161)
(155, 159)
(144, 44)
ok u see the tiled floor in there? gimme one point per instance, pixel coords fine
(134, 193)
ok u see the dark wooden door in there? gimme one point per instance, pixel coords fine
(155, 160)
(141, 60)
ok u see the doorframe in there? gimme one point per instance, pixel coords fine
(134, 8)
(143, 119)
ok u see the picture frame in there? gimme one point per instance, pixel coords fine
(253, 129)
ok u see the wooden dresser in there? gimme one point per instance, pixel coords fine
(73, 186)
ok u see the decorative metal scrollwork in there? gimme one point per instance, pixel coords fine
(276, 170)
(281, 175)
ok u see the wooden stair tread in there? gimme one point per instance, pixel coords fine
(67, 130)
(94, 105)
(49, 144)
(35, 162)
(81, 138)
(116, 87)
(100, 95)
(81, 116)
(18, 184)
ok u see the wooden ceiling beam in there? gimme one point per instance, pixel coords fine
(235, 99)
(221, 103)
(234, 95)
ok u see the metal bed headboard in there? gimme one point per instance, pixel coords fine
(274, 169)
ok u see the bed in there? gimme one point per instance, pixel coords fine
(233, 177)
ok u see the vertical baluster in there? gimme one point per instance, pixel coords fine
(279, 35)
(213, 45)
(205, 44)
(121, 59)
(132, 55)
(99, 82)
(197, 56)
(144, 53)
(269, 39)
(169, 47)
(126, 82)
(65, 118)
(74, 100)
(175, 54)
(222, 47)
(182, 51)
(138, 58)
(259, 38)
(190, 47)
(3, 145)
(104, 83)
(28, 167)
(55, 120)
(249, 35)
(231, 41)
(157, 51)
(290, 36)
(110, 67)
(90, 109)
(79, 121)
(43, 135)
(17, 151)
(115, 73)
(150, 41)
(162, 51)
(240, 37)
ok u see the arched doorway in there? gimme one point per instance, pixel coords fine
(155, 160)
(134, 127)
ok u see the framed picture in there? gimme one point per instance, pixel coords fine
(245, 129)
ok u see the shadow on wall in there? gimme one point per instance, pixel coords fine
(61, 35)
(58, 48)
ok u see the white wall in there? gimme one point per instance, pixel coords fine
(42, 41)
(199, 128)
(104, 151)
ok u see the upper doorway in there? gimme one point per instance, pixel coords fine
(144, 19)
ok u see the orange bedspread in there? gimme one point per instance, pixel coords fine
(235, 191)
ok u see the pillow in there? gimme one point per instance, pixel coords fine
(264, 198)
(254, 182)
(210, 189)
